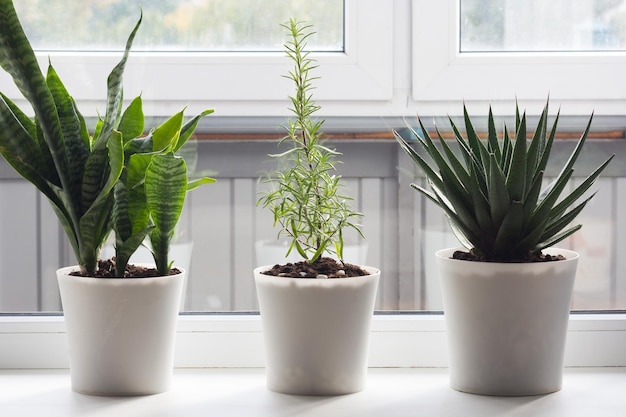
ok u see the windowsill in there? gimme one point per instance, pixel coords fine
(242, 392)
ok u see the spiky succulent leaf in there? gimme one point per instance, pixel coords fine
(494, 202)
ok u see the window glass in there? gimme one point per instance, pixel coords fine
(183, 25)
(539, 25)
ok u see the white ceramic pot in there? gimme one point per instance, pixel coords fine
(121, 332)
(316, 332)
(180, 253)
(507, 323)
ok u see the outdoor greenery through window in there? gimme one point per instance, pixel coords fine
(543, 26)
(177, 25)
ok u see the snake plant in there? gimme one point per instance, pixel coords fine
(491, 190)
(82, 173)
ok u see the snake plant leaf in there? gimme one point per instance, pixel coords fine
(136, 168)
(18, 60)
(188, 128)
(115, 92)
(131, 222)
(132, 123)
(20, 117)
(165, 137)
(97, 161)
(120, 217)
(166, 187)
(94, 224)
(125, 249)
(193, 184)
(72, 128)
(17, 144)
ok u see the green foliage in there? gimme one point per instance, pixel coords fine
(150, 195)
(92, 182)
(492, 196)
(306, 202)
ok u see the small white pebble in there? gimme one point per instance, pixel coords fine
(341, 273)
(322, 276)
(282, 274)
(303, 274)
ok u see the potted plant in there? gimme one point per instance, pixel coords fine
(316, 313)
(507, 294)
(120, 331)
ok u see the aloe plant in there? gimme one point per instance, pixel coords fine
(80, 173)
(492, 192)
(306, 202)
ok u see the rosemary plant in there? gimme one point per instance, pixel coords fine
(306, 201)
(492, 195)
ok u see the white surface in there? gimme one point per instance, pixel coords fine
(235, 341)
(596, 392)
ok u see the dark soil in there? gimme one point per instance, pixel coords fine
(323, 266)
(539, 257)
(106, 269)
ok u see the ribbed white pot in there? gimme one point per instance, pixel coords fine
(121, 332)
(506, 323)
(316, 332)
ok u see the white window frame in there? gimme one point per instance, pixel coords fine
(240, 83)
(403, 340)
(580, 83)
